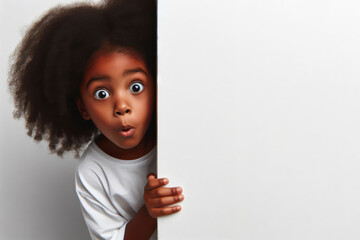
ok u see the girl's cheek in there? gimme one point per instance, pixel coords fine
(146, 108)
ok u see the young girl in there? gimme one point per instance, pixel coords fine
(87, 73)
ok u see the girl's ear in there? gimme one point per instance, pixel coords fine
(82, 109)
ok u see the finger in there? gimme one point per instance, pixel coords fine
(155, 182)
(163, 192)
(165, 211)
(151, 176)
(165, 201)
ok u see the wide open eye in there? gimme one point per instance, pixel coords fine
(101, 94)
(136, 87)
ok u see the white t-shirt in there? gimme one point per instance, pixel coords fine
(111, 190)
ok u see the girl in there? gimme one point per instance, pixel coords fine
(87, 73)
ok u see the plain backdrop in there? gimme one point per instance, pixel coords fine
(259, 118)
(259, 122)
(37, 192)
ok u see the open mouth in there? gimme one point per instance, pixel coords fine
(127, 131)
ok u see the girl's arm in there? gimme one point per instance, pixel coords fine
(157, 200)
(141, 226)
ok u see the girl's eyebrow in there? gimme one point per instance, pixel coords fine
(135, 70)
(107, 78)
(97, 78)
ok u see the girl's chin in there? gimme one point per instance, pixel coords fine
(114, 144)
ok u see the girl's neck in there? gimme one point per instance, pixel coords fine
(144, 147)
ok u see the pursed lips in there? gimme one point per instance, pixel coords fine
(127, 130)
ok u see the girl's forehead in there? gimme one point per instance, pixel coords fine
(115, 64)
(115, 58)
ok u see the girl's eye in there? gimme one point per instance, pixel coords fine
(136, 87)
(101, 94)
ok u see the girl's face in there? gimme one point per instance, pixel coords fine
(117, 94)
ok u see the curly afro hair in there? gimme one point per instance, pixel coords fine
(48, 65)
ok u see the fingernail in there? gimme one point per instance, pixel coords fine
(178, 208)
(178, 190)
(164, 181)
(181, 197)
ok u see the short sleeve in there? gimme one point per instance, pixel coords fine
(102, 219)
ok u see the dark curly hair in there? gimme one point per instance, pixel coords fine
(48, 65)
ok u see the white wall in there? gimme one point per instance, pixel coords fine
(37, 197)
(259, 122)
(259, 118)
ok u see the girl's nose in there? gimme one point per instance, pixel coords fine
(122, 108)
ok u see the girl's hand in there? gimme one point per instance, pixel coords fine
(158, 198)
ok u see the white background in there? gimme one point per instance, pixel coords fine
(259, 118)
(259, 122)
(37, 192)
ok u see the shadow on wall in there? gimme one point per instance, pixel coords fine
(38, 199)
